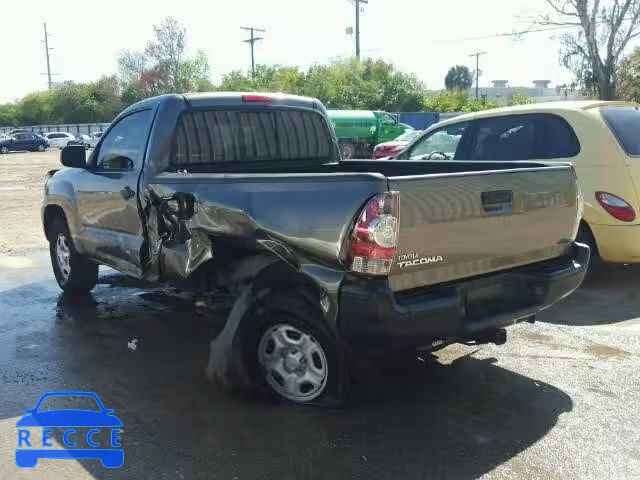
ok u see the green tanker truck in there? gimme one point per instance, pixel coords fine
(358, 131)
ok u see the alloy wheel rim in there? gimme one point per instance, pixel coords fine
(63, 255)
(294, 362)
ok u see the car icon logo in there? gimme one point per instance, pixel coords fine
(72, 421)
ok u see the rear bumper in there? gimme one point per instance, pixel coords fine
(374, 318)
(618, 243)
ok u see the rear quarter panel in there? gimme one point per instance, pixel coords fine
(601, 166)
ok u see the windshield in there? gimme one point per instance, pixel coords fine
(624, 122)
(408, 135)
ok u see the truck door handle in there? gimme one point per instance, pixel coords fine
(497, 202)
(127, 193)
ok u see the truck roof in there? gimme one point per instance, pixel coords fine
(545, 107)
(217, 99)
(351, 114)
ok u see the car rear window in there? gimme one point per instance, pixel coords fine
(624, 122)
(215, 136)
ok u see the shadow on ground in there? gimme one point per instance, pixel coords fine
(609, 294)
(409, 420)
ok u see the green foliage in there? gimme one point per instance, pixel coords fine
(458, 78)
(455, 101)
(629, 77)
(351, 84)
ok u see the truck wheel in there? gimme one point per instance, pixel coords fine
(292, 355)
(73, 272)
(347, 150)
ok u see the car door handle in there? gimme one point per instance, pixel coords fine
(127, 193)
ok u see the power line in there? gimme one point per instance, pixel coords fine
(478, 54)
(252, 40)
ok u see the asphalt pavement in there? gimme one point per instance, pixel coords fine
(560, 400)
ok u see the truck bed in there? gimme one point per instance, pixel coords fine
(457, 219)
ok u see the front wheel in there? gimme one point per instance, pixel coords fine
(4, 150)
(347, 150)
(73, 272)
(41, 148)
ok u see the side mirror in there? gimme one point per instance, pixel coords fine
(74, 156)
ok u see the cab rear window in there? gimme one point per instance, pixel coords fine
(216, 136)
(624, 122)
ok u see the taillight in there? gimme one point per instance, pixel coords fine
(375, 237)
(616, 206)
(256, 98)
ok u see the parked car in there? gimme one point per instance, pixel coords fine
(23, 142)
(94, 138)
(600, 139)
(59, 139)
(247, 193)
(19, 130)
(392, 148)
(83, 140)
(358, 131)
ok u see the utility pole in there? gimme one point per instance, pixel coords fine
(478, 54)
(252, 40)
(46, 49)
(357, 3)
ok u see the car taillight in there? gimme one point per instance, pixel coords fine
(375, 236)
(616, 206)
(256, 98)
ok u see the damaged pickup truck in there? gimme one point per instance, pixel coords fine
(328, 260)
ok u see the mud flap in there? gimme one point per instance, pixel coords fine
(226, 365)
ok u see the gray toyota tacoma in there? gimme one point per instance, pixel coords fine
(328, 260)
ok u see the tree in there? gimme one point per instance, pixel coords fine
(131, 65)
(164, 66)
(458, 78)
(167, 52)
(629, 77)
(594, 51)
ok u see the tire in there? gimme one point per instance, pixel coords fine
(73, 272)
(347, 150)
(4, 150)
(290, 353)
(586, 236)
(41, 148)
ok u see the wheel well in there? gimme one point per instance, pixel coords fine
(51, 212)
(586, 234)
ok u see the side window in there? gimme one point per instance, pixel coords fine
(524, 137)
(123, 147)
(388, 119)
(441, 144)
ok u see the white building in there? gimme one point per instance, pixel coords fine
(539, 92)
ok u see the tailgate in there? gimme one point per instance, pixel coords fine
(462, 225)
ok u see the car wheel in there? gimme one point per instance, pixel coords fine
(41, 148)
(292, 354)
(347, 150)
(73, 272)
(4, 150)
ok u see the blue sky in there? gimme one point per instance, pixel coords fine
(420, 36)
